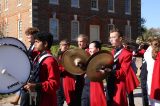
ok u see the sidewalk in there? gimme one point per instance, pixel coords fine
(137, 99)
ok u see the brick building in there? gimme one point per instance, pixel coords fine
(68, 18)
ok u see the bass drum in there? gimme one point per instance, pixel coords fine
(14, 68)
(13, 41)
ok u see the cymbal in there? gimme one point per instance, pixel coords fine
(95, 63)
(70, 56)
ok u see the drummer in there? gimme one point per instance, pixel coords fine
(47, 78)
(31, 53)
(29, 35)
(93, 92)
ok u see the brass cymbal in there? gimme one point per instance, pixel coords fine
(95, 63)
(72, 55)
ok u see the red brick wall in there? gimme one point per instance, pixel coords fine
(12, 16)
(42, 11)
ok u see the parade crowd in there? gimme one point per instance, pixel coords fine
(52, 85)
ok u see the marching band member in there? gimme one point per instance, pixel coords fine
(82, 41)
(132, 81)
(31, 53)
(45, 77)
(67, 84)
(116, 84)
(143, 75)
(93, 92)
(152, 68)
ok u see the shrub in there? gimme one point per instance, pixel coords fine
(55, 48)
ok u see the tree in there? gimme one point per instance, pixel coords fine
(143, 27)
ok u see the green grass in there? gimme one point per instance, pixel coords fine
(55, 48)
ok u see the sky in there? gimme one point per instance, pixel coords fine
(150, 11)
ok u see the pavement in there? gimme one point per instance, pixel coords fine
(137, 99)
(137, 92)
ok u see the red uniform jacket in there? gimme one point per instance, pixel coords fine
(155, 86)
(50, 79)
(97, 96)
(120, 98)
(140, 53)
(132, 81)
(68, 85)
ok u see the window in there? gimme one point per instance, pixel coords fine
(6, 27)
(19, 29)
(128, 32)
(110, 27)
(128, 7)
(0, 8)
(94, 4)
(6, 5)
(54, 25)
(75, 3)
(0, 27)
(74, 29)
(18, 2)
(53, 1)
(110, 5)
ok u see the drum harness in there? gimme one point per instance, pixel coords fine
(34, 77)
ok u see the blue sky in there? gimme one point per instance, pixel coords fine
(150, 10)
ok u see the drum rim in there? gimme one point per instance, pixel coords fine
(29, 63)
(17, 40)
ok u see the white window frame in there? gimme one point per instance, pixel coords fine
(128, 33)
(92, 38)
(0, 7)
(128, 7)
(1, 29)
(95, 8)
(19, 29)
(50, 28)
(19, 3)
(54, 2)
(109, 27)
(6, 27)
(73, 5)
(5, 5)
(73, 37)
(113, 5)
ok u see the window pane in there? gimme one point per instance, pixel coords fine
(127, 6)
(53, 1)
(110, 27)
(0, 8)
(128, 32)
(54, 28)
(6, 4)
(111, 5)
(20, 29)
(75, 3)
(94, 4)
(74, 29)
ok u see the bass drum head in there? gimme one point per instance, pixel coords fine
(14, 68)
(13, 41)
